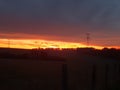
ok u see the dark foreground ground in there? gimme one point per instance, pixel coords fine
(73, 71)
(52, 75)
(30, 75)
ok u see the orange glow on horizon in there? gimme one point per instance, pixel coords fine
(31, 43)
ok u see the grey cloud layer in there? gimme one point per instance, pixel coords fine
(69, 10)
(94, 13)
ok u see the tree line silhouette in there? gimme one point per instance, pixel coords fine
(56, 54)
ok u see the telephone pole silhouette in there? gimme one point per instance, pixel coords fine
(37, 45)
(88, 39)
(8, 43)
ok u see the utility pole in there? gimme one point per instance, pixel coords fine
(88, 39)
(37, 45)
(8, 43)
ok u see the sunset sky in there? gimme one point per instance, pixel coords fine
(59, 23)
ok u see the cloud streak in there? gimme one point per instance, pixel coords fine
(62, 18)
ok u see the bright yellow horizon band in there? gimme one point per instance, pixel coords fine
(32, 43)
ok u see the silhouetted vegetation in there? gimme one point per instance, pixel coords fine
(56, 54)
(55, 69)
(34, 54)
(112, 53)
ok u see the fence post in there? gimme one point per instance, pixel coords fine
(64, 77)
(93, 77)
(106, 76)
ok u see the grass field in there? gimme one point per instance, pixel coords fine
(80, 74)
(31, 75)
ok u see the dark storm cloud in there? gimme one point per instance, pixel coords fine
(40, 16)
